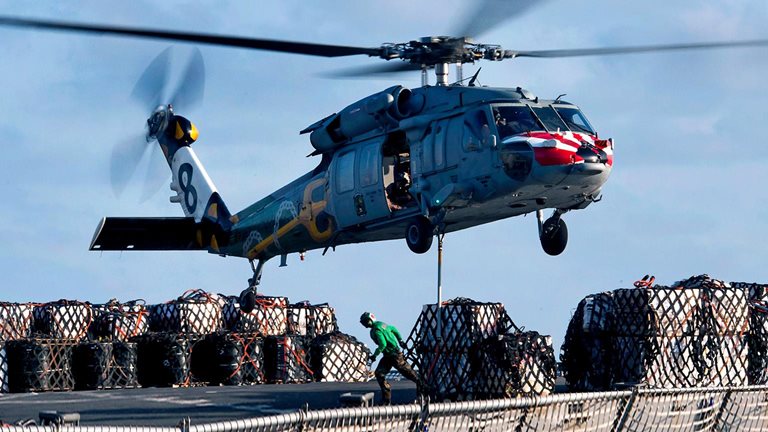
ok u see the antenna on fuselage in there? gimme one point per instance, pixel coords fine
(471, 82)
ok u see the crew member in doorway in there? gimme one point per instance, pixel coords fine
(397, 191)
(388, 342)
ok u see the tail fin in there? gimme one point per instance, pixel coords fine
(194, 189)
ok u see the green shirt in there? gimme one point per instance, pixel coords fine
(386, 337)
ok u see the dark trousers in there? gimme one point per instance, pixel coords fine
(386, 364)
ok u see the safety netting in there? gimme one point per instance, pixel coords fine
(163, 359)
(116, 321)
(15, 320)
(63, 319)
(286, 359)
(469, 350)
(269, 317)
(104, 365)
(339, 357)
(694, 333)
(39, 364)
(305, 319)
(195, 312)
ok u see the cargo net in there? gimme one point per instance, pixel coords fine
(521, 364)
(268, 317)
(115, 321)
(230, 311)
(253, 367)
(464, 323)
(685, 361)
(195, 312)
(757, 338)
(339, 357)
(588, 351)
(228, 359)
(693, 334)
(163, 359)
(63, 319)
(3, 369)
(480, 353)
(15, 321)
(305, 319)
(104, 365)
(286, 359)
(36, 365)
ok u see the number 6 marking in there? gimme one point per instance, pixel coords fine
(185, 183)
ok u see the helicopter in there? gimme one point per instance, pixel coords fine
(401, 163)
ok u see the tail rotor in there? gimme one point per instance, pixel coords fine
(152, 94)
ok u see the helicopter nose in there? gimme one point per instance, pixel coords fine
(591, 154)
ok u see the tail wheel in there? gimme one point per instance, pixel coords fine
(554, 236)
(418, 235)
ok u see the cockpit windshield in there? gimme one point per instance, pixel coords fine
(575, 119)
(515, 119)
(549, 117)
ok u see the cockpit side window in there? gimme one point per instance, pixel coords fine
(476, 130)
(575, 119)
(514, 119)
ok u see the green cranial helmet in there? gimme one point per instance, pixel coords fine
(367, 317)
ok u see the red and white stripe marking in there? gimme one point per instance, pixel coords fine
(558, 148)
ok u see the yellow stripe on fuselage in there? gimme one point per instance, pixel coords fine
(271, 239)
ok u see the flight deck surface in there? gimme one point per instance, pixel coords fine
(168, 406)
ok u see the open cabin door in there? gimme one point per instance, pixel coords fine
(357, 184)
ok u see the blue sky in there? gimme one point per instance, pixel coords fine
(687, 194)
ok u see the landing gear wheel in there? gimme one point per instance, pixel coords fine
(419, 234)
(247, 300)
(248, 296)
(554, 236)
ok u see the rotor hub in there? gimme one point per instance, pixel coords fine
(433, 50)
(158, 121)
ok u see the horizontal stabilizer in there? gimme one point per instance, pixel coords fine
(119, 234)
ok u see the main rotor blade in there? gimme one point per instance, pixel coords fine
(635, 49)
(192, 86)
(377, 69)
(150, 87)
(488, 14)
(313, 49)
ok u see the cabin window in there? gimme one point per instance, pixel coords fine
(345, 172)
(427, 150)
(318, 193)
(369, 168)
(439, 150)
(453, 139)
